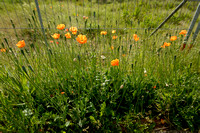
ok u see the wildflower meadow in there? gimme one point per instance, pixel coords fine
(91, 66)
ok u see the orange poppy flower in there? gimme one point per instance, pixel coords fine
(114, 37)
(51, 41)
(173, 38)
(183, 32)
(74, 33)
(167, 44)
(136, 39)
(134, 35)
(57, 42)
(123, 55)
(113, 31)
(62, 93)
(66, 30)
(50, 6)
(145, 75)
(81, 39)
(103, 32)
(84, 17)
(73, 30)
(68, 35)
(162, 121)
(112, 47)
(3, 49)
(115, 62)
(21, 44)
(154, 87)
(61, 26)
(163, 46)
(56, 36)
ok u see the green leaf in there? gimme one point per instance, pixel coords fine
(67, 123)
(103, 107)
(80, 123)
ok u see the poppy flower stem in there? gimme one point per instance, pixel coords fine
(198, 61)
(175, 73)
(22, 51)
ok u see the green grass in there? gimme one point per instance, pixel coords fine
(149, 85)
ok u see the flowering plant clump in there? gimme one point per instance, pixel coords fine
(107, 76)
(21, 44)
